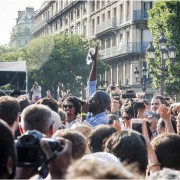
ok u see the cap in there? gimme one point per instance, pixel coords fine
(153, 114)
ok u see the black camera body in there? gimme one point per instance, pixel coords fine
(29, 149)
(113, 87)
(129, 94)
(138, 105)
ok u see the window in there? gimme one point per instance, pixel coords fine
(102, 44)
(78, 12)
(85, 7)
(97, 4)
(93, 26)
(147, 6)
(127, 36)
(60, 23)
(93, 5)
(98, 20)
(108, 44)
(102, 3)
(84, 28)
(66, 20)
(128, 12)
(103, 17)
(109, 15)
(78, 28)
(114, 13)
(121, 13)
(72, 15)
(114, 40)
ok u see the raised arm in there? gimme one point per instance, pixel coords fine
(93, 72)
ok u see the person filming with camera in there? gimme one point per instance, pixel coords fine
(36, 91)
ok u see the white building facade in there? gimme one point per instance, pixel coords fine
(119, 25)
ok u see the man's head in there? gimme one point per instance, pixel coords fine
(167, 148)
(115, 103)
(156, 102)
(99, 101)
(9, 111)
(7, 152)
(130, 147)
(37, 117)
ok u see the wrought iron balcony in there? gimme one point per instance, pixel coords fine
(133, 47)
(139, 15)
(106, 25)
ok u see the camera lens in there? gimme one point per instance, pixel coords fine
(28, 139)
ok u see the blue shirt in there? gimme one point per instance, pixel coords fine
(100, 118)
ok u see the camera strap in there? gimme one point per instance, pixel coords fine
(44, 166)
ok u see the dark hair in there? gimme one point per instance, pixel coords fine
(78, 141)
(129, 111)
(76, 104)
(9, 109)
(130, 147)
(162, 99)
(7, 149)
(99, 134)
(50, 102)
(167, 149)
(23, 102)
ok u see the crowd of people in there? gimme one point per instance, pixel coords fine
(97, 138)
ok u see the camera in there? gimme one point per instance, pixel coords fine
(29, 150)
(113, 87)
(138, 105)
(129, 94)
(136, 124)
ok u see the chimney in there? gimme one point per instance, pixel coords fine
(29, 10)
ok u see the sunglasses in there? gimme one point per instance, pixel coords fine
(127, 118)
(70, 106)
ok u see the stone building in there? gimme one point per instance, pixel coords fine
(22, 32)
(119, 25)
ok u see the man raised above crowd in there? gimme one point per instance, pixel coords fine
(99, 100)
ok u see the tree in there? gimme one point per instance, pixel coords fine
(60, 59)
(164, 17)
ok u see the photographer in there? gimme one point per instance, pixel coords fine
(113, 91)
(39, 157)
(36, 91)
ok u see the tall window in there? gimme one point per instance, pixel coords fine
(114, 13)
(85, 7)
(102, 44)
(98, 21)
(128, 12)
(109, 15)
(97, 4)
(108, 43)
(72, 15)
(121, 13)
(103, 17)
(93, 5)
(114, 40)
(78, 12)
(147, 6)
(93, 26)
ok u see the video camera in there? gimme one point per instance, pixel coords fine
(29, 149)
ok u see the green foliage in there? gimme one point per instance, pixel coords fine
(165, 17)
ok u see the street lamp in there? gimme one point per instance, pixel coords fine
(166, 53)
(145, 79)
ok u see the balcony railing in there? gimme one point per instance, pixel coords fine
(133, 47)
(140, 15)
(106, 25)
(40, 25)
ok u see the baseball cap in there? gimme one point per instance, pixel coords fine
(153, 114)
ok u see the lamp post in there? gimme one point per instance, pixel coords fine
(165, 54)
(145, 79)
